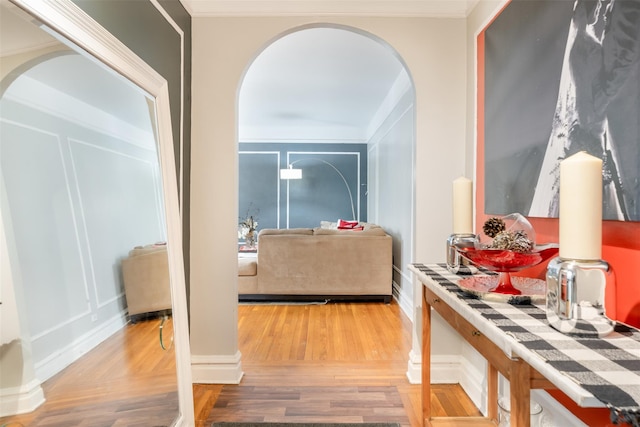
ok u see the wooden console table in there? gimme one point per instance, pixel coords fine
(517, 342)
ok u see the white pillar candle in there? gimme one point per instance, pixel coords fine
(581, 207)
(462, 206)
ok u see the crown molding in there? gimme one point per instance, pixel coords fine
(372, 8)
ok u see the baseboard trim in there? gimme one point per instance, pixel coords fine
(59, 360)
(406, 305)
(216, 369)
(414, 368)
(20, 400)
(445, 369)
(473, 382)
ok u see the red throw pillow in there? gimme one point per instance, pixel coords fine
(347, 225)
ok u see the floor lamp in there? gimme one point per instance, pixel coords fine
(291, 173)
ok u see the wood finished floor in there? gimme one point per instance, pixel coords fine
(128, 380)
(339, 362)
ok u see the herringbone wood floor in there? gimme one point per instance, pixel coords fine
(342, 362)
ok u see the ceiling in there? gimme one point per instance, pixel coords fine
(317, 85)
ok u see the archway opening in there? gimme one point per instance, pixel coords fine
(329, 98)
(325, 95)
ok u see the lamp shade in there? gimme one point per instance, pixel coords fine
(290, 173)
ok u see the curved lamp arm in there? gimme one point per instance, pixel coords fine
(353, 211)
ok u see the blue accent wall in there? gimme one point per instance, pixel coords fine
(333, 184)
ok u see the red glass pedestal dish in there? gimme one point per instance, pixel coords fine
(505, 262)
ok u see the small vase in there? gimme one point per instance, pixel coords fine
(504, 414)
(250, 238)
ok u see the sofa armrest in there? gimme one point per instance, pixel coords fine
(146, 281)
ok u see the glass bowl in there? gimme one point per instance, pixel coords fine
(504, 262)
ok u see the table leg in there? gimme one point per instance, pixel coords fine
(492, 392)
(426, 359)
(520, 393)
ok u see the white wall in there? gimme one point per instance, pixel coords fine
(76, 198)
(434, 51)
(390, 190)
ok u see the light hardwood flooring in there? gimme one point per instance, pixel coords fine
(339, 362)
(128, 380)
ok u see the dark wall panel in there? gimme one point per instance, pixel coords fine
(258, 182)
(333, 184)
(144, 30)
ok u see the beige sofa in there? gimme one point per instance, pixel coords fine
(306, 263)
(145, 273)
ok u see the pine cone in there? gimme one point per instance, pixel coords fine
(521, 242)
(512, 241)
(493, 226)
(502, 240)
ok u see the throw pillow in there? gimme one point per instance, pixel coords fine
(328, 225)
(348, 225)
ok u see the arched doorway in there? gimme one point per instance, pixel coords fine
(326, 92)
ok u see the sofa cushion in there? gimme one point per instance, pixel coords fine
(333, 225)
(375, 231)
(275, 231)
(147, 249)
(328, 225)
(247, 267)
(369, 225)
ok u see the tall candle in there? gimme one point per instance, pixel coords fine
(462, 206)
(581, 207)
